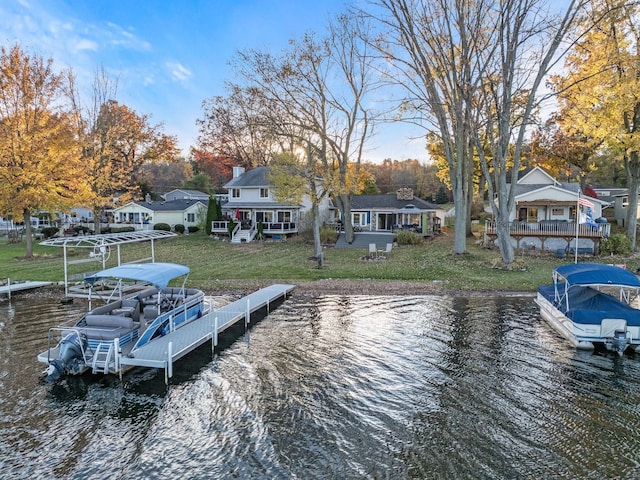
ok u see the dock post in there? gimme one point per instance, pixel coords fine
(247, 315)
(169, 362)
(214, 335)
(9, 287)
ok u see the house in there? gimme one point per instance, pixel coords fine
(252, 208)
(145, 214)
(180, 193)
(388, 213)
(621, 206)
(545, 213)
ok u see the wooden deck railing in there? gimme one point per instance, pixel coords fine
(551, 229)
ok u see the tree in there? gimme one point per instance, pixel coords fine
(526, 41)
(198, 182)
(431, 47)
(40, 159)
(116, 144)
(601, 89)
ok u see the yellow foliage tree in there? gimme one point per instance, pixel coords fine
(40, 158)
(600, 93)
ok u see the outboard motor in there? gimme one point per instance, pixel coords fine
(620, 341)
(70, 358)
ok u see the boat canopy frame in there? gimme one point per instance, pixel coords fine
(595, 275)
(100, 245)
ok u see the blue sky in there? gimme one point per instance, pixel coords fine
(170, 55)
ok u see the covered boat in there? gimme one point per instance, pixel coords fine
(123, 323)
(591, 304)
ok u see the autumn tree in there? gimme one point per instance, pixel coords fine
(117, 143)
(217, 167)
(601, 88)
(40, 159)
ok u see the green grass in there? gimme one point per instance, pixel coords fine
(213, 261)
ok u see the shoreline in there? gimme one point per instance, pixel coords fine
(317, 288)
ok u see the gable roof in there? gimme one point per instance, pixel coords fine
(256, 177)
(170, 206)
(190, 193)
(388, 201)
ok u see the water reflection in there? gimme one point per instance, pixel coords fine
(331, 387)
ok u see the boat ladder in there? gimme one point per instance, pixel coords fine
(101, 358)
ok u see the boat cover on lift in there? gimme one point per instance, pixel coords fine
(597, 274)
(158, 274)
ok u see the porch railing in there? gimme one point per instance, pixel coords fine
(267, 227)
(551, 229)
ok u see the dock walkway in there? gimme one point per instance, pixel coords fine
(162, 352)
(17, 286)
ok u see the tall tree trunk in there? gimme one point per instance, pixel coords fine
(632, 165)
(317, 241)
(28, 233)
(345, 208)
(97, 217)
(460, 206)
(504, 238)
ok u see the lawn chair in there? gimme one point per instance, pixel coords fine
(386, 251)
(373, 250)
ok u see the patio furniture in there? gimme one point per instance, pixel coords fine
(373, 250)
(386, 251)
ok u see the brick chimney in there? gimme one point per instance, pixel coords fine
(404, 193)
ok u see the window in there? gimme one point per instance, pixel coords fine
(264, 193)
(235, 193)
(284, 216)
(264, 217)
(191, 217)
(557, 212)
(625, 201)
(532, 214)
(358, 219)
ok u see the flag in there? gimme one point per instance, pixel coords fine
(585, 203)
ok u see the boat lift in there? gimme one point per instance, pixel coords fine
(100, 249)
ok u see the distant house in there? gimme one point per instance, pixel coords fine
(621, 206)
(253, 207)
(145, 214)
(182, 194)
(391, 212)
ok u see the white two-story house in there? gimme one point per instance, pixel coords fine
(253, 210)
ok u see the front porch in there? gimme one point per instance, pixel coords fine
(545, 230)
(246, 231)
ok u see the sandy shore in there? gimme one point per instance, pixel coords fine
(322, 287)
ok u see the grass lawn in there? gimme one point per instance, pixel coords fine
(214, 261)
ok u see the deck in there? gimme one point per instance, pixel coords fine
(550, 229)
(162, 352)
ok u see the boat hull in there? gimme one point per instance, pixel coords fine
(586, 336)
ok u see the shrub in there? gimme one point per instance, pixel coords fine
(407, 237)
(49, 232)
(328, 235)
(162, 226)
(119, 229)
(179, 228)
(616, 244)
(81, 229)
(193, 228)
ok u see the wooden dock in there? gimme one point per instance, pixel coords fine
(17, 286)
(163, 351)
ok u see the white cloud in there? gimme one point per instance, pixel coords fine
(85, 44)
(178, 71)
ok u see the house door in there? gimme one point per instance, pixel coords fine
(385, 221)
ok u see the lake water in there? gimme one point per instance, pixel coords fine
(335, 387)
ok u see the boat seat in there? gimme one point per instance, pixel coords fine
(108, 327)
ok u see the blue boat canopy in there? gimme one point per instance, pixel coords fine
(596, 274)
(158, 274)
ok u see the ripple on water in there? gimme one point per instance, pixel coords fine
(332, 387)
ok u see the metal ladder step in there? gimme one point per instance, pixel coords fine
(101, 358)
